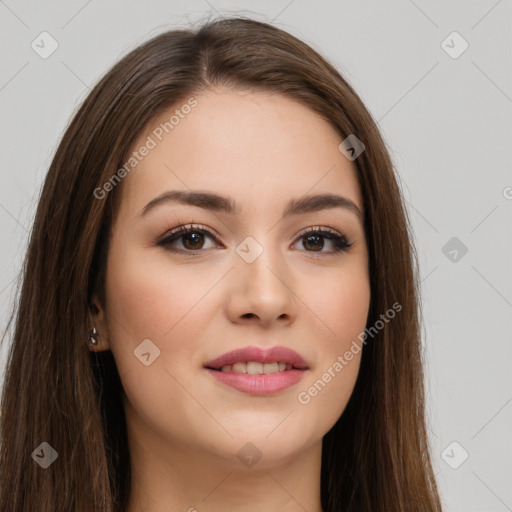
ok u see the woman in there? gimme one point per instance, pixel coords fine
(222, 226)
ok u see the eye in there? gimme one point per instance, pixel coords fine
(191, 238)
(313, 240)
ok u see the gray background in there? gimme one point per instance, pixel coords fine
(447, 121)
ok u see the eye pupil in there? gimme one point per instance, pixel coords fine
(315, 240)
(196, 238)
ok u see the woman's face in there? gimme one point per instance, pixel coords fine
(243, 277)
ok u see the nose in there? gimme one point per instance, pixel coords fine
(262, 292)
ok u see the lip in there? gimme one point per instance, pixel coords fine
(259, 384)
(259, 355)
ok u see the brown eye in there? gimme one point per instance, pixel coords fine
(193, 241)
(314, 240)
(187, 239)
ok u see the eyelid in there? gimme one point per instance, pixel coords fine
(185, 226)
(193, 225)
(321, 229)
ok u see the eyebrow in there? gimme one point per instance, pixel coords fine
(215, 202)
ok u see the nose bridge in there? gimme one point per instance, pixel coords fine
(263, 277)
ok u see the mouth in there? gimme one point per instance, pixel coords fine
(256, 371)
(255, 367)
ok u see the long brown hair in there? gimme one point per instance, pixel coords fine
(375, 458)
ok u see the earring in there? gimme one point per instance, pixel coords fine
(93, 336)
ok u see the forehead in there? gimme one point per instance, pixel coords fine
(256, 147)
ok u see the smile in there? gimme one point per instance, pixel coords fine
(256, 371)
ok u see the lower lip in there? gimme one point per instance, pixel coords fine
(259, 384)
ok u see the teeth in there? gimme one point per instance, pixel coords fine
(240, 368)
(270, 367)
(255, 368)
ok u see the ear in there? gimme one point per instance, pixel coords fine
(100, 322)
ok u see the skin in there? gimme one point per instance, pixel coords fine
(184, 427)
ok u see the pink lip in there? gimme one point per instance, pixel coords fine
(281, 354)
(259, 384)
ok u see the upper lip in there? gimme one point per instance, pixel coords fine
(260, 355)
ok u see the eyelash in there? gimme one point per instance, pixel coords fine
(341, 243)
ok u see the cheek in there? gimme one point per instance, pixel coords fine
(147, 299)
(343, 309)
(340, 304)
